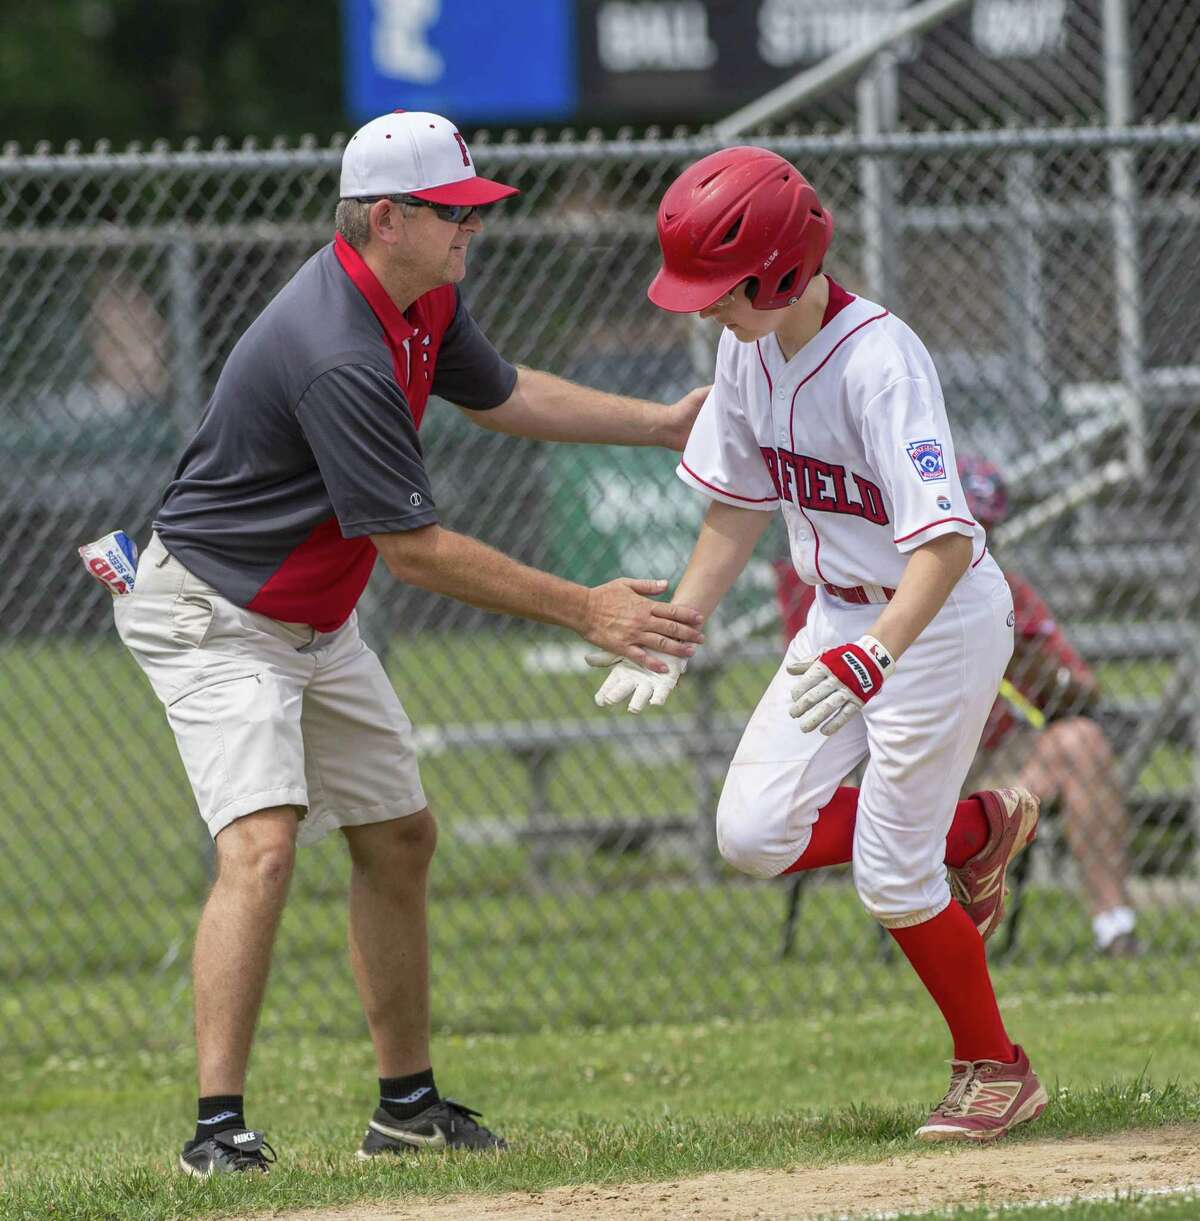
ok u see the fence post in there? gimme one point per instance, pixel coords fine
(1118, 95)
(877, 102)
(1025, 298)
(184, 309)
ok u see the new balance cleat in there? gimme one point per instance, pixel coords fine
(985, 1100)
(445, 1125)
(234, 1151)
(981, 884)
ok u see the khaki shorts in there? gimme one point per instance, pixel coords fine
(267, 713)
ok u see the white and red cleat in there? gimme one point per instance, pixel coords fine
(986, 1098)
(980, 885)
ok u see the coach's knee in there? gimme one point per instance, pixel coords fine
(259, 850)
(399, 847)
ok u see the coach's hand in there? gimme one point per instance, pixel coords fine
(836, 684)
(620, 620)
(634, 683)
(681, 416)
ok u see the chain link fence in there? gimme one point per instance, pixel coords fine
(577, 879)
(993, 62)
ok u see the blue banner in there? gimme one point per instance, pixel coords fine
(475, 61)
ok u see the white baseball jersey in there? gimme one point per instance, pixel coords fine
(849, 438)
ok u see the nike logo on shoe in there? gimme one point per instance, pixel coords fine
(437, 1140)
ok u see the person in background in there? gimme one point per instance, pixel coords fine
(1044, 730)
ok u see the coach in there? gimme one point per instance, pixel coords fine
(305, 466)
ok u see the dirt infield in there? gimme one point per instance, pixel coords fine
(1128, 1161)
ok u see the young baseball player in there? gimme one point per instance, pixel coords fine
(827, 407)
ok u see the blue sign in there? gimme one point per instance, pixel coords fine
(472, 61)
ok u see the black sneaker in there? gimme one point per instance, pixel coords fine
(1123, 945)
(234, 1151)
(445, 1125)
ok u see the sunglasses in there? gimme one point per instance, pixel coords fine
(455, 214)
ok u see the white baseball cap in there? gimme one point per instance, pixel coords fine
(413, 152)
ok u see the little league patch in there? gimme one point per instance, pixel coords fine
(928, 459)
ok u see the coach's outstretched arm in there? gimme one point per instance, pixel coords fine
(549, 408)
(614, 616)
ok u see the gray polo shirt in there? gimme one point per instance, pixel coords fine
(309, 443)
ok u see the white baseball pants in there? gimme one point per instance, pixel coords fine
(919, 735)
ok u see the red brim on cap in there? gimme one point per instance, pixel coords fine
(672, 292)
(475, 191)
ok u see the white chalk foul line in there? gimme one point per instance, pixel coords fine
(949, 1210)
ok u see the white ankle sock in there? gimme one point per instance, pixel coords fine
(1109, 925)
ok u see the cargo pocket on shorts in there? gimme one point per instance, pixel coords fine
(199, 713)
(191, 619)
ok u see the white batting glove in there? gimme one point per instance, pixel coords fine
(629, 681)
(834, 686)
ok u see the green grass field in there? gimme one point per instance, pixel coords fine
(95, 1137)
(620, 1015)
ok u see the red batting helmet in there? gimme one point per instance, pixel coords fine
(740, 214)
(983, 485)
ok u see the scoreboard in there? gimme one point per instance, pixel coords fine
(687, 61)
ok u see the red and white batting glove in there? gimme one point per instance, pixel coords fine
(835, 685)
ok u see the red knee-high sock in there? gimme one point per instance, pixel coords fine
(968, 832)
(947, 953)
(832, 839)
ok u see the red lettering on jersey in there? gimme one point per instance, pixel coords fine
(872, 501)
(462, 144)
(771, 458)
(843, 502)
(822, 486)
(789, 470)
(820, 497)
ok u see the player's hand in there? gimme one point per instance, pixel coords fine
(836, 684)
(620, 620)
(681, 416)
(634, 683)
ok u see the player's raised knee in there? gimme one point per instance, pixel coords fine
(747, 844)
